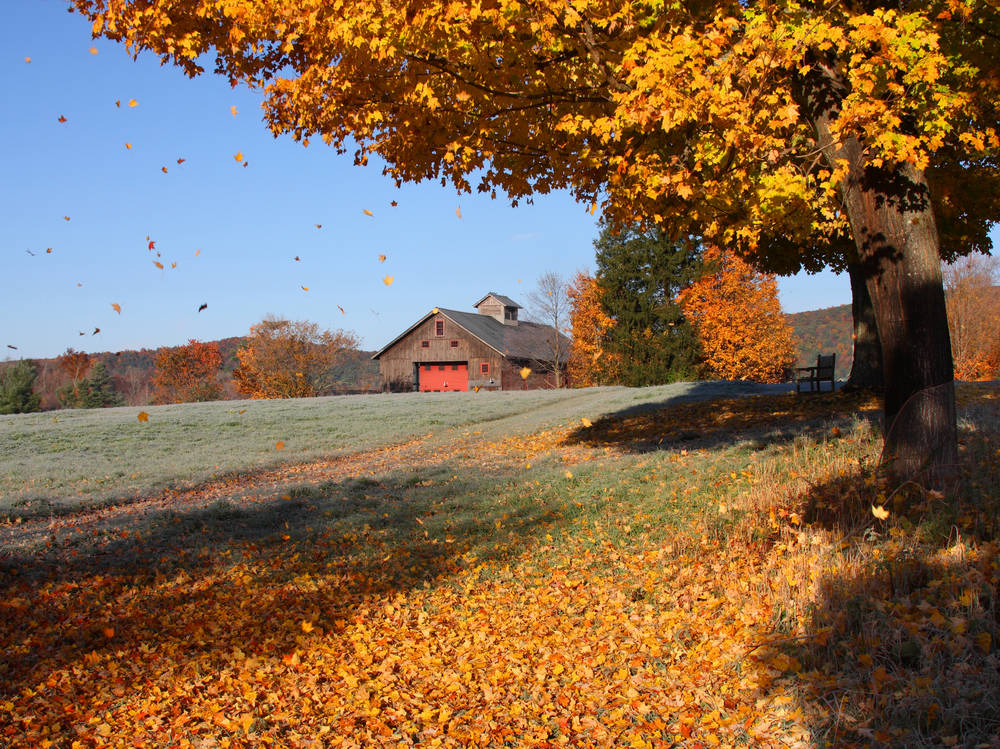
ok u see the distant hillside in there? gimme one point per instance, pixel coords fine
(132, 373)
(824, 331)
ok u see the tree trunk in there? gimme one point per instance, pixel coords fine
(889, 210)
(866, 366)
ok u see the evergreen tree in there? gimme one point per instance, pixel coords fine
(640, 274)
(17, 384)
(97, 391)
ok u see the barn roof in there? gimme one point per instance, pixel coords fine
(526, 340)
(506, 301)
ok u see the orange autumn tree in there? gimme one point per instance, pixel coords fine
(735, 310)
(973, 296)
(589, 364)
(290, 359)
(824, 124)
(188, 373)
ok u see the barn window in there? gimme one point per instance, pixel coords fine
(439, 327)
(484, 368)
(454, 344)
(454, 367)
(425, 344)
(440, 367)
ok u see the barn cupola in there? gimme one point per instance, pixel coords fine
(499, 307)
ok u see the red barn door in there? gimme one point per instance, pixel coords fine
(452, 376)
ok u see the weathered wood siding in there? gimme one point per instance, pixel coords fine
(396, 364)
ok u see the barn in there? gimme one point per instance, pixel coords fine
(489, 349)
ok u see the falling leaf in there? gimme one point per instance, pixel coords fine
(586, 422)
(30, 253)
(116, 307)
(96, 331)
(118, 103)
(307, 626)
(62, 118)
(525, 372)
(279, 445)
(880, 512)
(163, 169)
(93, 50)
(305, 288)
(66, 218)
(142, 416)
(233, 110)
(368, 213)
(238, 156)
(152, 244)
(475, 389)
(341, 310)
(158, 264)
(79, 284)
(388, 280)
(435, 310)
(245, 164)
(173, 264)
(48, 250)
(128, 146)
(181, 161)
(568, 474)
(381, 258)
(197, 252)
(297, 258)
(458, 211)
(203, 306)
(394, 204)
(27, 59)
(133, 103)
(13, 347)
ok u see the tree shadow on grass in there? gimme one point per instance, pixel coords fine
(192, 589)
(703, 419)
(900, 643)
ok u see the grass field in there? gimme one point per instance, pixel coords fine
(609, 567)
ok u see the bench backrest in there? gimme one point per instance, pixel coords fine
(825, 366)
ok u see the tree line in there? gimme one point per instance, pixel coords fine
(278, 359)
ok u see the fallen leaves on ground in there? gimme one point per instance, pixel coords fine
(448, 595)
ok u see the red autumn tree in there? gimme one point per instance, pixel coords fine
(973, 298)
(589, 363)
(735, 311)
(187, 373)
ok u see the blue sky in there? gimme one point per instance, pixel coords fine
(249, 223)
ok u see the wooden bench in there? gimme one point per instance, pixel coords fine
(822, 372)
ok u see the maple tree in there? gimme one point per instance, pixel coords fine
(972, 288)
(734, 309)
(188, 373)
(736, 120)
(589, 363)
(640, 272)
(290, 359)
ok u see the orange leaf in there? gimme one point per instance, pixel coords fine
(116, 307)
(388, 280)
(525, 372)
(158, 264)
(458, 211)
(233, 110)
(880, 512)
(27, 59)
(368, 213)
(381, 258)
(197, 252)
(143, 417)
(133, 103)
(238, 156)
(62, 119)
(279, 445)
(341, 310)
(93, 50)
(181, 161)
(307, 626)
(305, 288)
(163, 169)
(128, 146)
